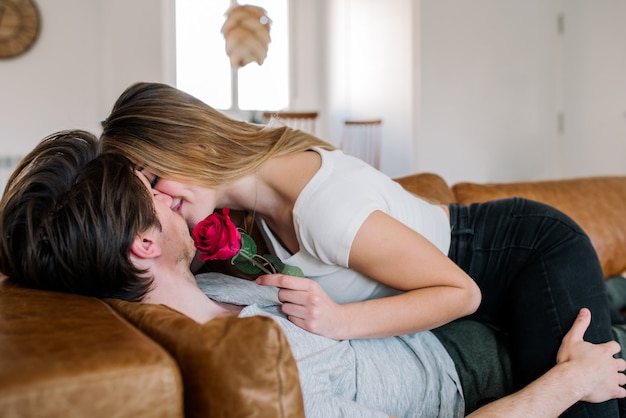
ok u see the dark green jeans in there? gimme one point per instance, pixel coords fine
(482, 361)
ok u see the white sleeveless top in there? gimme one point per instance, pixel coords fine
(329, 212)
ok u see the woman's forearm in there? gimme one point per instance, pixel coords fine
(407, 313)
(307, 305)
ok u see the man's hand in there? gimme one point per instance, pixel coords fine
(584, 372)
(601, 377)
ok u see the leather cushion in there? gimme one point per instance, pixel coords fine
(64, 355)
(429, 186)
(230, 366)
(597, 204)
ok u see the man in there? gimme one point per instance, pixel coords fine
(77, 222)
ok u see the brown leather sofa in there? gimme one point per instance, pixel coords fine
(65, 355)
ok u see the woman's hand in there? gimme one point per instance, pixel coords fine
(306, 304)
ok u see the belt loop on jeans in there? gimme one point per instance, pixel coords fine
(459, 218)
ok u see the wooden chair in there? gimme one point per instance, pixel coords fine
(304, 121)
(362, 139)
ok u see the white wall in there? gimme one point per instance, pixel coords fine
(469, 90)
(497, 76)
(370, 68)
(594, 69)
(474, 90)
(488, 89)
(55, 85)
(86, 54)
(138, 44)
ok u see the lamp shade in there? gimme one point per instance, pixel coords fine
(247, 35)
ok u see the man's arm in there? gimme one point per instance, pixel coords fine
(584, 372)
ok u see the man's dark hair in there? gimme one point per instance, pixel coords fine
(68, 218)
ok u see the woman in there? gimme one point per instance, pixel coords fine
(379, 261)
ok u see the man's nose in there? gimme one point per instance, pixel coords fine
(163, 197)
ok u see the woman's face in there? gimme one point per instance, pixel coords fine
(176, 238)
(193, 202)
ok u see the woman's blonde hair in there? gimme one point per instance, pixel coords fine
(180, 137)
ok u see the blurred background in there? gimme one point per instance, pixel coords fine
(476, 90)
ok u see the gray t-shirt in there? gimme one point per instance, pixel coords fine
(405, 376)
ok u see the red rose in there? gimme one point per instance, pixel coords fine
(216, 237)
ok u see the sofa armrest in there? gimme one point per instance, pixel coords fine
(65, 355)
(228, 364)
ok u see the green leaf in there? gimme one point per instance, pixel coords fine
(275, 261)
(249, 262)
(244, 265)
(248, 246)
(282, 267)
(292, 271)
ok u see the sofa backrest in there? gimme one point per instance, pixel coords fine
(597, 204)
(429, 186)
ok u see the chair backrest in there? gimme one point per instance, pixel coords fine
(304, 121)
(362, 138)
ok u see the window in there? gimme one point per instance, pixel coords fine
(203, 68)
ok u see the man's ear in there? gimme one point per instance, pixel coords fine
(144, 246)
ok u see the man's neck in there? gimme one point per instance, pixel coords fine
(184, 295)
